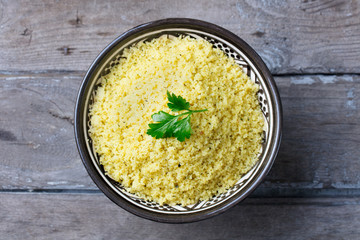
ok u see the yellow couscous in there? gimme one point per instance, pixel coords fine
(225, 140)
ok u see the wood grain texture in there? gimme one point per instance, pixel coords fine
(36, 132)
(34, 216)
(321, 133)
(319, 148)
(291, 36)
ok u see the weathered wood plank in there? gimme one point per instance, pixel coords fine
(34, 216)
(319, 148)
(291, 36)
(36, 133)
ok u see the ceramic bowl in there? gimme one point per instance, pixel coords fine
(234, 47)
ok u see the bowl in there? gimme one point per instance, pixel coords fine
(234, 47)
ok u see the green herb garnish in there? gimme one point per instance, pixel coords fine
(167, 125)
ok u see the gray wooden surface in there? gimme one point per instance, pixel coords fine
(83, 216)
(313, 50)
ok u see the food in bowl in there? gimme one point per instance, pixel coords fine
(225, 140)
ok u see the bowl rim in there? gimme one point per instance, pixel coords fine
(203, 26)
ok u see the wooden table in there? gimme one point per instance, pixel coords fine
(311, 47)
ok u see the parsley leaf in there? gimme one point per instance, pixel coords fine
(177, 103)
(167, 125)
(183, 129)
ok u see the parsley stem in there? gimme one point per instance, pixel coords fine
(191, 112)
(202, 110)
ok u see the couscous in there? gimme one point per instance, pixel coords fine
(225, 141)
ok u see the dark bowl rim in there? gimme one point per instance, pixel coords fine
(191, 217)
